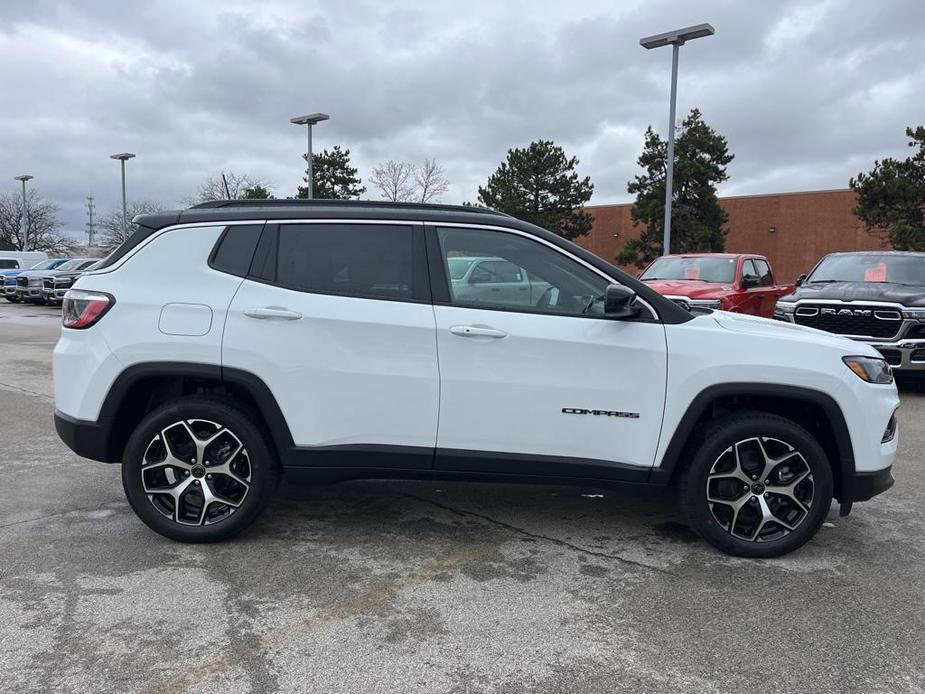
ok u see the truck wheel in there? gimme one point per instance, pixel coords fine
(13, 299)
(758, 485)
(198, 470)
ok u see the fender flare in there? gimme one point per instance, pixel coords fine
(664, 473)
(253, 385)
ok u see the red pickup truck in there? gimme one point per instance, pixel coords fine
(727, 281)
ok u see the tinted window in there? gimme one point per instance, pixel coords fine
(513, 272)
(373, 261)
(235, 249)
(8, 264)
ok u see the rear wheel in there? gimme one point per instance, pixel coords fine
(198, 470)
(758, 485)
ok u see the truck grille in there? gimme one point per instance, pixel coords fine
(48, 283)
(22, 282)
(851, 319)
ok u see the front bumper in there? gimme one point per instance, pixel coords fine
(9, 290)
(54, 295)
(861, 486)
(29, 293)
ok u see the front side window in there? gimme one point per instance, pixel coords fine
(763, 270)
(372, 261)
(508, 271)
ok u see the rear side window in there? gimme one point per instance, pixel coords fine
(235, 249)
(9, 264)
(375, 261)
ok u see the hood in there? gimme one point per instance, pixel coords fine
(35, 273)
(860, 291)
(767, 327)
(693, 289)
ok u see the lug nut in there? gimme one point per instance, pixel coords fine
(196, 483)
(754, 499)
(186, 473)
(208, 477)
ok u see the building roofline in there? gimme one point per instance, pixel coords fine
(740, 197)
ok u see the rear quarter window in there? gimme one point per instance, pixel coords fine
(235, 249)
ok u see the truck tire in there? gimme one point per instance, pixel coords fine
(758, 485)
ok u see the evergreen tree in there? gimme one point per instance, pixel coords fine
(701, 157)
(333, 176)
(539, 184)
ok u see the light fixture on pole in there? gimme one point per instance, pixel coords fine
(675, 39)
(25, 211)
(309, 120)
(123, 157)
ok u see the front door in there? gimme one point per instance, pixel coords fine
(547, 388)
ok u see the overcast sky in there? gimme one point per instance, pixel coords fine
(807, 93)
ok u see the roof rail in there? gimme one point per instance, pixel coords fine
(320, 202)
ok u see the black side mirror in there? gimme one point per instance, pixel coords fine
(620, 302)
(750, 281)
(480, 277)
(801, 279)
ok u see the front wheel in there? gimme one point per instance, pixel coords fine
(198, 470)
(13, 299)
(758, 485)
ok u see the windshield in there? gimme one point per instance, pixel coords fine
(896, 269)
(458, 267)
(47, 264)
(71, 264)
(720, 270)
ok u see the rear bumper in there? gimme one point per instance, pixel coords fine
(86, 439)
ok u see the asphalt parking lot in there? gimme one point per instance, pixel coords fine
(420, 587)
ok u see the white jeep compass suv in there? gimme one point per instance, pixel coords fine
(225, 344)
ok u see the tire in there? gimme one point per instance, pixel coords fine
(13, 299)
(770, 482)
(230, 460)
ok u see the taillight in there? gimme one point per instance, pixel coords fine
(83, 309)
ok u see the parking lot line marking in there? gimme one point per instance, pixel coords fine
(342, 610)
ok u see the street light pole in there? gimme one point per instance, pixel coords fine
(310, 120)
(25, 211)
(123, 157)
(675, 39)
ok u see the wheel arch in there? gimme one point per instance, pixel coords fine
(141, 387)
(812, 409)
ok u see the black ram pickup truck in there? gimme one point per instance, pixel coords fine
(877, 297)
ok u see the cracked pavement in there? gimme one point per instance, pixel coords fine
(434, 587)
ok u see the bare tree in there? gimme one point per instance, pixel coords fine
(393, 179)
(214, 188)
(110, 224)
(431, 181)
(404, 182)
(44, 227)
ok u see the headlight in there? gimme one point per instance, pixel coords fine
(914, 313)
(870, 369)
(785, 307)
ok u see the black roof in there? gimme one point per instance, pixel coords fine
(231, 210)
(260, 210)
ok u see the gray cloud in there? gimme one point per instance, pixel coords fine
(807, 93)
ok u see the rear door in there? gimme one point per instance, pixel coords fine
(548, 388)
(766, 284)
(335, 317)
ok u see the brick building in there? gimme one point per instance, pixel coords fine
(793, 230)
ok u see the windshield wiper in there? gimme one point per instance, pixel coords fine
(823, 281)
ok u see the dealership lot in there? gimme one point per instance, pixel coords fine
(433, 587)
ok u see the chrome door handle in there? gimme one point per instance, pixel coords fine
(267, 312)
(476, 331)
